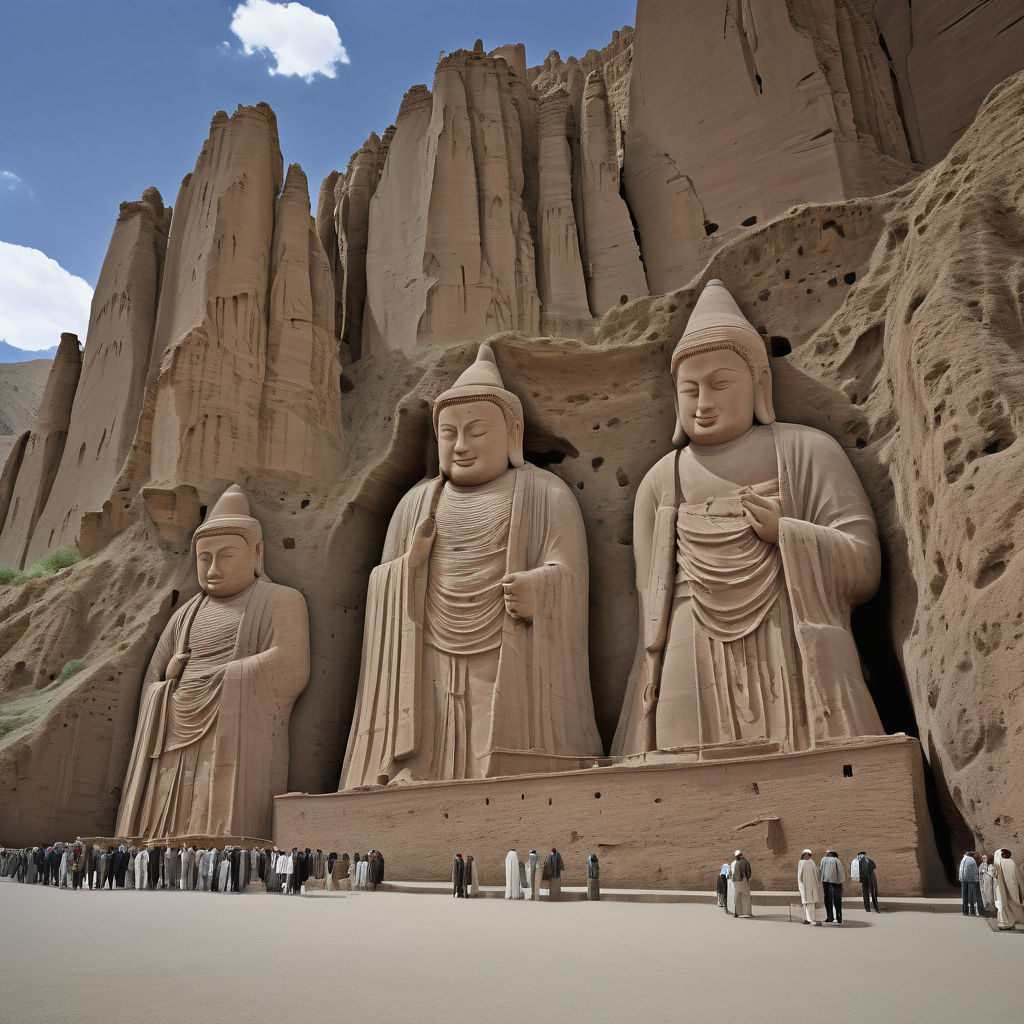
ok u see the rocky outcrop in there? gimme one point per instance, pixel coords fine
(796, 106)
(42, 453)
(115, 364)
(300, 414)
(21, 391)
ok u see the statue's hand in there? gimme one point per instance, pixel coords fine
(520, 595)
(762, 513)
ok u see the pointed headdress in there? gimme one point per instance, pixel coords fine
(481, 382)
(716, 322)
(230, 515)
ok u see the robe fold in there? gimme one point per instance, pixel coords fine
(211, 751)
(793, 602)
(513, 888)
(537, 699)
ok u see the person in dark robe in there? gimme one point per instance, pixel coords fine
(553, 866)
(331, 858)
(156, 864)
(376, 869)
(459, 877)
(593, 878)
(472, 878)
(77, 864)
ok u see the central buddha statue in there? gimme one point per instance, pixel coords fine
(475, 644)
(753, 540)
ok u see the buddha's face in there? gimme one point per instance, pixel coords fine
(472, 442)
(227, 564)
(715, 392)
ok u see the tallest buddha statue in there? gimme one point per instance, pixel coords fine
(753, 540)
(475, 644)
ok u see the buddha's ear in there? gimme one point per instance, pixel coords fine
(259, 557)
(764, 408)
(515, 444)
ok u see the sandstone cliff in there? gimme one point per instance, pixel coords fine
(491, 208)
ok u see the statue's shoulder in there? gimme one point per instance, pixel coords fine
(546, 480)
(810, 439)
(281, 596)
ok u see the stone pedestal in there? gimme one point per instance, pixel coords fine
(664, 822)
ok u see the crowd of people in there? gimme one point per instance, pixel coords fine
(991, 887)
(820, 886)
(86, 865)
(988, 887)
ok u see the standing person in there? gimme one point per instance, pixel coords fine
(593, 878)
(868, 881)
(375, 870)
(513, 890)
(832, 878)
(553, 865)
(970, 890)
(77, 864)
(459, 877)
(987, 878)
(141, 868)
(739, 876)
(809, 881)
(472, 877)
(1009, 893)
(722, 886)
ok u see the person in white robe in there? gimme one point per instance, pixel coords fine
(142, 869)
(812, 895)
(987, 873)
(738, 897)
(513, 889)
(1009, 892)
(285, 867)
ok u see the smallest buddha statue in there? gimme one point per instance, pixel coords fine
(211, 744)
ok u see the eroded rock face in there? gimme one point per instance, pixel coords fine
(115, 363)
(42, 454)
(796, 106)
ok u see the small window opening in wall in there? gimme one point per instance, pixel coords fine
(522, 796)
(597, 796)
(847, 771)
(549, 801)
(657, 799)
(756, 790)
(487, 800)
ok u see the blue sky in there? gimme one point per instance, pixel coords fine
(100, 99)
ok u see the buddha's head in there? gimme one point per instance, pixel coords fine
(229, 546)
(720, 369)
(479, 425)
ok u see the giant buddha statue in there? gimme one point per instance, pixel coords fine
(211, 744)
(475, 645)
(753, 540)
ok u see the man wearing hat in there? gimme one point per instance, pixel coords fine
(475, 644)
(211, 744)
(739, 887)
(753, 540)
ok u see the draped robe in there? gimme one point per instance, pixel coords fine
(752, 639)
(518, 693)
(211, 751)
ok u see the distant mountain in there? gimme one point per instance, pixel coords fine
(10, 354)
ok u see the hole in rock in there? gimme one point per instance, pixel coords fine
(850, 277)
(174, 597)
(748, 223)
(620, 478)
(754, 786)
(657, 799)
(487, 800)
(710, 227)
(289, 543)
(831, 225)
(623, 299)
(549, 801)
(780, 346)
(597, 796)
(597, 463)
(202, 511)
(522, 796)
(345, 385)
(847, 771)
(304, 503)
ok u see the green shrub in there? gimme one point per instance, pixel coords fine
(45, 566)
(73, 666)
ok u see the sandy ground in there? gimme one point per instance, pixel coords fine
(390, 957)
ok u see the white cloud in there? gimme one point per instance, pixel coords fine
(39, 299)
(303, 42)
(10, 181)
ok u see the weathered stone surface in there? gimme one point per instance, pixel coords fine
(210, 340)
(300, 415)
(946, 55)
(780, 121)
(42, 453)
(614, 271)
(115, 363)
(21, 391)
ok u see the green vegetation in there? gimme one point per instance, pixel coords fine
(73, 666)
(45, 566)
